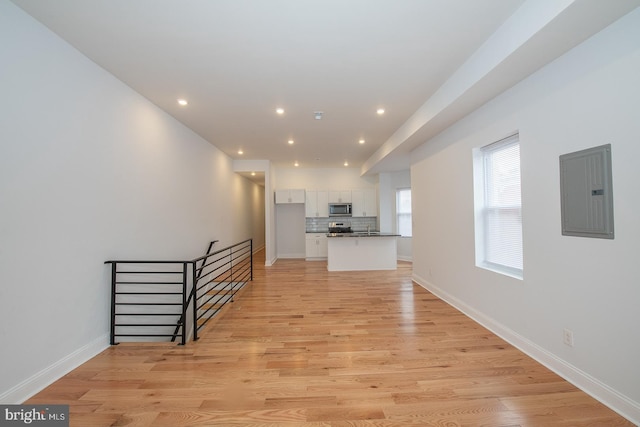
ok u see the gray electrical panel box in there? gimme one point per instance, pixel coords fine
(587, 193)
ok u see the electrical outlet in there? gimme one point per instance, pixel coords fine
(568, 337)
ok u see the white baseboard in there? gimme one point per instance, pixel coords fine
(27, 388)
(618, 402)
(292, 255)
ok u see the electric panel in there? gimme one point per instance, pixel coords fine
(587, 193)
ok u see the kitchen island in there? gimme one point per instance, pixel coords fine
(362, 251)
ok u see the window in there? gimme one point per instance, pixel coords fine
(403, 212)
(499, 207)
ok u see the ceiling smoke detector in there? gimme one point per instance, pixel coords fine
(318, 115)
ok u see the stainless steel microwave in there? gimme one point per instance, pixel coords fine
(339, 209)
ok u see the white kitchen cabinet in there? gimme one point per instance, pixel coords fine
(340, 196)
(289, 196)
(316, 246)
(362, 253)
(364, 203)
(317, 204)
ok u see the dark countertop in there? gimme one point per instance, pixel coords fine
(363, 234)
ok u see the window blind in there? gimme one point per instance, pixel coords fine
(502, 212)
(403, 211)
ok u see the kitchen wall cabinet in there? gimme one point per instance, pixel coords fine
(317, 204)
(341, 196)
(290, 196)
(316, 245)
(364, 203)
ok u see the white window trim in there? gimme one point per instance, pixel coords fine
(397, 213)
(479, 207)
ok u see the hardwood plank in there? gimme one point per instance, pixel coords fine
(304, 347)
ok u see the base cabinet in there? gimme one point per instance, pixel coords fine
(316, 246)
(366, 253)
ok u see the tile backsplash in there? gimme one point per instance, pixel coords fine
(321, 225)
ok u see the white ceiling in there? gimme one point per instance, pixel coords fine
(236, 61)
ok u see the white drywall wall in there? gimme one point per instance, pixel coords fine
(588, 97)
(90, 171)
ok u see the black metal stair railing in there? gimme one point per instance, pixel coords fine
(151, 299)
(191, 294)
(220, 276)
(147, 297)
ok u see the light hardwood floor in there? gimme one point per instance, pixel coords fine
(304, 347)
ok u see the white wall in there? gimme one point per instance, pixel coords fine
(290, 230)
(322, 179)
(588, 97)
(270, 215)
(89, 171)
(257, 207)
(261, 200)
(248, 206)
(389, 183)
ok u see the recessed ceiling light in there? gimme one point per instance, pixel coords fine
(296, 164)
(361, 141)
(346, 163)
(280, 110)
(380, 111)
(240, 152)
(290, 142)
(253, 174)
(182, 102)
